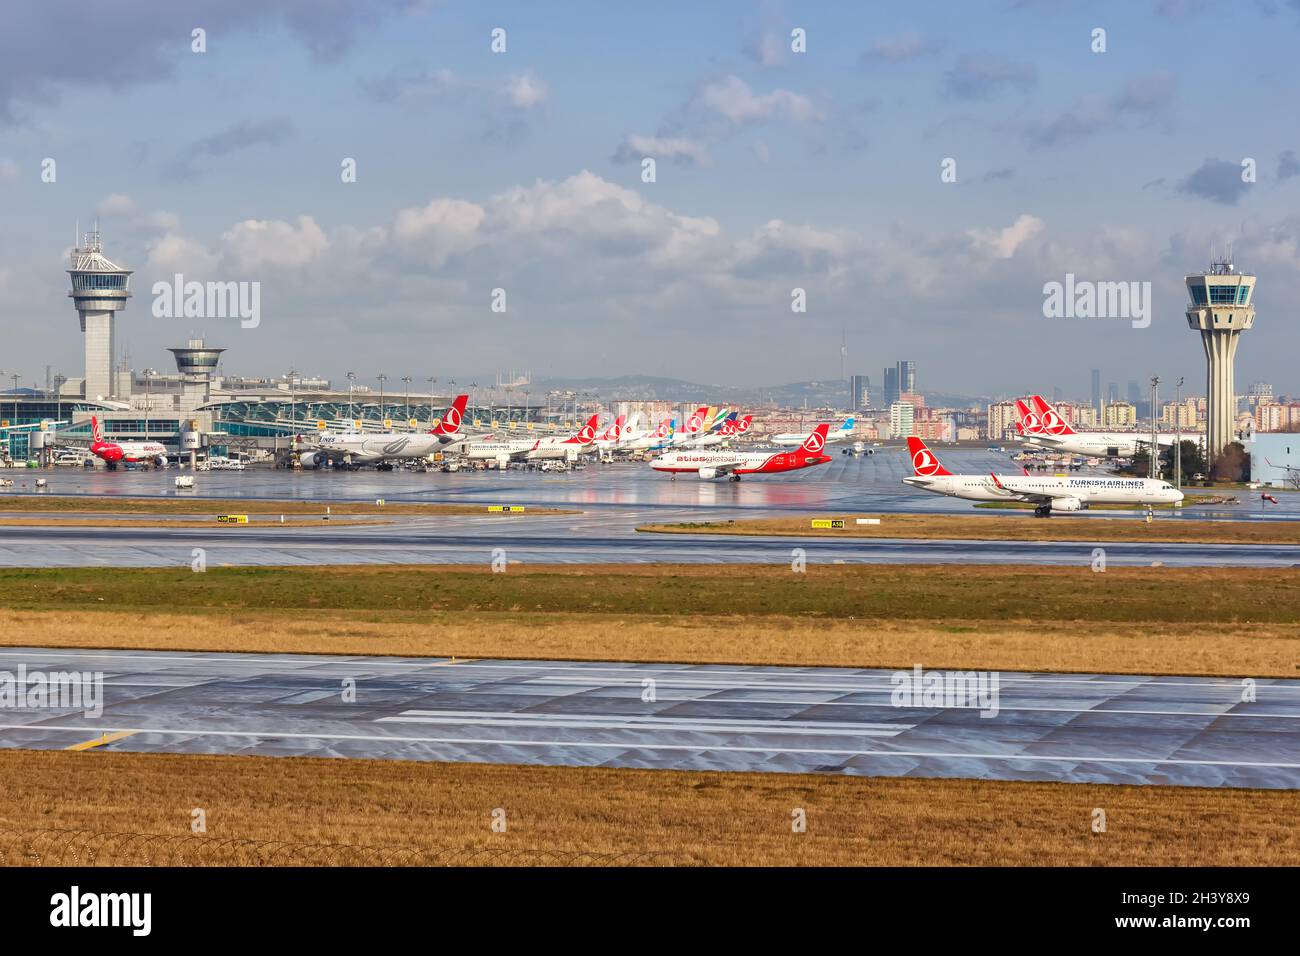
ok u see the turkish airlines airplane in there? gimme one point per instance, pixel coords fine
(1043, 427)
(794, 438)
(503, 451)
(132, 452)
(693, 430)
(612, 437)
(731, 465)
(371, 447)
(652, 438)
(1046, 493)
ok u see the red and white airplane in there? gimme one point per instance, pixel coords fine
(731, 465)
(1043, 427)
(131, 452)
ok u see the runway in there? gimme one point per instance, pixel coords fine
(1182, 731)
(607, 537)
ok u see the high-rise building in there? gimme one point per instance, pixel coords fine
(1134, 393)
(892, 390)
(907, 376)
(1112, 393)
(99, 289)
(1096, 390)
(901, 416)
(859, 392)
(1221, 308)
(1001, 420)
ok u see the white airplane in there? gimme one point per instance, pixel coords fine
(731, 465)
(374, 447)
(503, 451)
(1047, 493)
(789, 439)
(1043, 427)
(612, 437)
(651, 438)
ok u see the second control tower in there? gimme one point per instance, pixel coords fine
(1221, 308)
(99, 289)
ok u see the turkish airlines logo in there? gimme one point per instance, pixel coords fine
(453, 419)
(1053, 422)
(586, 434)
(815, 443)
(924, 463)
(1032, 423)
(742, 426)
(695, 423)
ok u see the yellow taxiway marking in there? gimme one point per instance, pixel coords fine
(101, 740)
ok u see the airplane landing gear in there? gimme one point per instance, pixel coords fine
(1042, 511)
(733, 477)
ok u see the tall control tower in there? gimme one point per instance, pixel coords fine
(99, 289)
(1221, 307)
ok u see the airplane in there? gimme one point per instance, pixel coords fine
(1042, 427)
(130, 452)
(693, 429)
(794, 438)
(612, 436)
(1047, 493)
(731, 465)
(503, 451)
(718, 433)
(379, 447)
(651, 438)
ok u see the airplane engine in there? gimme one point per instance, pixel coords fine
(311, 459)
(1067, 504)
(707, 473)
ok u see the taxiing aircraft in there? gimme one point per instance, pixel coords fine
(731, 465)
(794, 438)
(1047, 493)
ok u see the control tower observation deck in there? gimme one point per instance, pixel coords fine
(1220, 307)
(100, 288)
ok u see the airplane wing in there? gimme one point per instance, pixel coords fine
(726, 467)
(1032, 497)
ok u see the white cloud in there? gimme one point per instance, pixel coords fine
(732, 98)
(677, 149)
(174, 253)
(525, 91)
(115, 204)
(441, 229)
(274, 244)
(1003, 243)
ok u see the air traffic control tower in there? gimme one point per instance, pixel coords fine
(1221, 308)
(99, 289)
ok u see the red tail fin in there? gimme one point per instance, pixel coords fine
(924, 463)
(1027, 422)
(96, 432)
(1053, 423)
(696, 421)
(451, 422)
(587, 433)
(816, 442)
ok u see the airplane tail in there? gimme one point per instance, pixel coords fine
(696, 421)
(1027, 422)
(1052, 421)
(614, 431)
(451, 422)
(924, 462)
(96, 430)
(587, 433)
(816, 442)
(848, 424)
(742, 425)
(665, 428)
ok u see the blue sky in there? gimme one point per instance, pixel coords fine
(776, 170)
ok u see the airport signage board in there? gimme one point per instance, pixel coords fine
(506, 509)
(232, 519)
(828, 522)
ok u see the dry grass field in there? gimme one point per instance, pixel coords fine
(1127, 620)
(683, 818)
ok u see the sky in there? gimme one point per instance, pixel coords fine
(919, 171)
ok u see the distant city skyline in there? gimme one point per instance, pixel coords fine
(917, 176)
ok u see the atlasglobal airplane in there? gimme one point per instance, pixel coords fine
(132, 452)
(1047, 493)
(731, 465)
